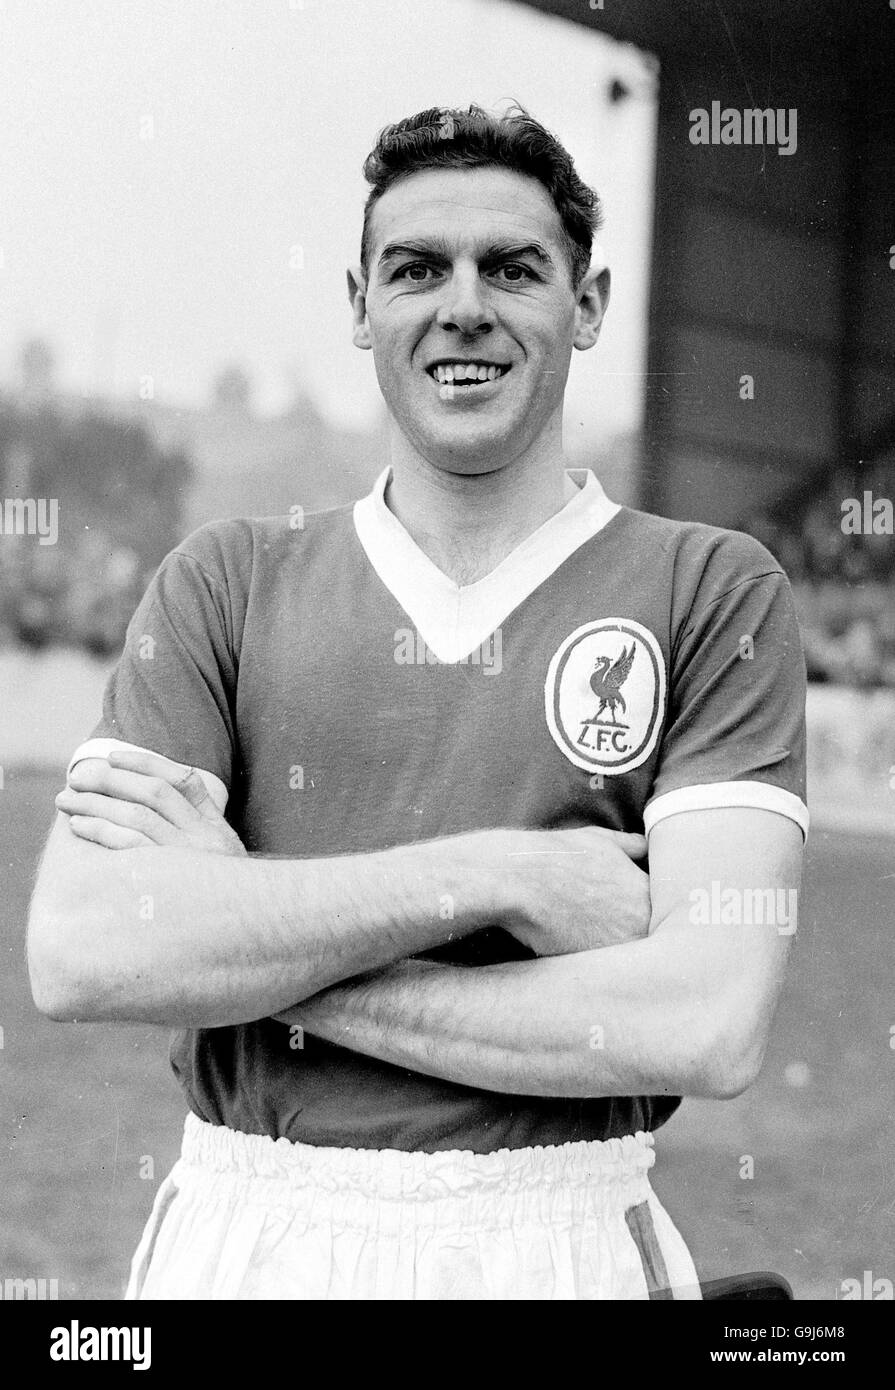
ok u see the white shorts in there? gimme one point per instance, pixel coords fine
(246, 1217)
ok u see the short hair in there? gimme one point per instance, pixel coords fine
(445, 138)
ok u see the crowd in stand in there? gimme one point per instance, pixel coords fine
(117, 498)
(79, 594)
(844, 584)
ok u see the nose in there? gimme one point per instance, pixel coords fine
(465, 305)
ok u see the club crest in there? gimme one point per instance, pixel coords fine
(605, 695)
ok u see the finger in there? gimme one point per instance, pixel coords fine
(192, 786)
(150, 764)
(633, 845)
(129, 815)
(185, 780)
(102, 832)
(154, 792)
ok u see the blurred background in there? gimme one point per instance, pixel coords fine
(181, 193)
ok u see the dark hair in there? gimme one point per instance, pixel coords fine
(441, 138)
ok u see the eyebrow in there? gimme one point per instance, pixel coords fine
(436, 249)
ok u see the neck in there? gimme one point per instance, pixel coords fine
(468, 523)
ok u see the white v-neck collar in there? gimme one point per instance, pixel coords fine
(454, 620)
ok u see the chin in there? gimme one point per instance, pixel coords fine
(466, 462)
(472, 451)
(475, 467)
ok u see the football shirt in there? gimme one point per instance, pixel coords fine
(342, 695)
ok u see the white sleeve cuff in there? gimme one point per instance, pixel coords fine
(102, 747)
(761, 796)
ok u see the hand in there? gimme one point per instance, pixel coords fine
(575, 890)
(131, 800)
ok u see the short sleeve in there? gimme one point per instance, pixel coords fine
(735, 730)
(174, 688)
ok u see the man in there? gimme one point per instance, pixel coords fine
(430, 1067)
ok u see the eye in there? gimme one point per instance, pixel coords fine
(417, 271)
(514, 271)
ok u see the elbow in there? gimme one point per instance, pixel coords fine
(57, 971)
(729, 1081)
(54, 996)
(54, 1003)
(729, 1064)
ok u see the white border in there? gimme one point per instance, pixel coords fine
(710, 796)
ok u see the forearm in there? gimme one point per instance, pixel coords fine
(190, 939)
(640, 1019)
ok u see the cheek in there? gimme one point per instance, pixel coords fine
(545, 336)
(393, 346)
(398, 318)
(551, 359)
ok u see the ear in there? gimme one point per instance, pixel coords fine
(357, 297)
(593, 299)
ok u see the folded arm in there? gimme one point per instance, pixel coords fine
(147, 907)
(685, 1011)
(172, 933)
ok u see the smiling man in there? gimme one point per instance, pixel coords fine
(429, 1009)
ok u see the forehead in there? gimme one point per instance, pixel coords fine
(465, 206)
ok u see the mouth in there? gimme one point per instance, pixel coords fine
(466, 375)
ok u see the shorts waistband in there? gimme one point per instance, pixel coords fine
(595, 1165)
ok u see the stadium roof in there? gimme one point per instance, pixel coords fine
(826, 33)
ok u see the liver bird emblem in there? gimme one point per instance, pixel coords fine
(606, 682)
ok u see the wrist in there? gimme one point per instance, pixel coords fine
(488, 877)
(499, 862)
(516, 885)
(461, 882)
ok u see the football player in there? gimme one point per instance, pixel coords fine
(362, 816)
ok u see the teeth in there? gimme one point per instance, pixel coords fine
(448, 373)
